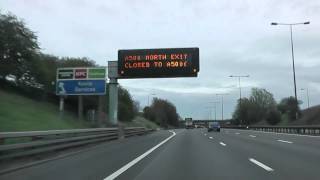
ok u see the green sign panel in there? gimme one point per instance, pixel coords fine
(65, 74)
(97, 73)
(81, 73)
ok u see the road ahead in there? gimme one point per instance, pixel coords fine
(189, 154)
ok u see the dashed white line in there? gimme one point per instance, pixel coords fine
(282, 133)
(211, 137)
(252, 136)
(289, 142)
(265, 167)
(237, 133)
(223, 144)
(205, 134)
(136, 160)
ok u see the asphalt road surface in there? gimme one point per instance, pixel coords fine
(188, 154)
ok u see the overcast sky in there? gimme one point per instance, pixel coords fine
(234, 36)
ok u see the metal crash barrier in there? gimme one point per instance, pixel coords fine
(19, 144)
(306, 130)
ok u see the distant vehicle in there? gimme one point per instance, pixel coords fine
(189, 124)
(214, 126)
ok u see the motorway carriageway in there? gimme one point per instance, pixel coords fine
(188, 154)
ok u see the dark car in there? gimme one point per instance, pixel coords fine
(214, 126)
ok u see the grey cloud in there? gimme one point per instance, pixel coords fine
(234, 37)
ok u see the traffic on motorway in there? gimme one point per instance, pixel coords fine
(159, 90)
(187, 154)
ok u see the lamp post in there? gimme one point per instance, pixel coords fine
(215, 109)
(209, 111)
(152, 94)
(221, 94)
(306, 89)
(292, 54)
(239, 80)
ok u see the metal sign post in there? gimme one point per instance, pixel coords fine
(113, 92)
(61, 107)
(113, 101)
(80, 81)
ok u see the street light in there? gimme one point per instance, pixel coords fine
(215, 109)
(152, 94)
(293, 66)
(221, 94)
(209, 112)
(302, 89)
(239, 79)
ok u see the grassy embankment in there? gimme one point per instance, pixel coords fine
(19, 113)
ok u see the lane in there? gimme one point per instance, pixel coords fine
(289, 160)
(136, 160)
(193, 155)
(310, 141)
(95, 163)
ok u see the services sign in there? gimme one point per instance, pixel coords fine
(153, 63)
(81, 81)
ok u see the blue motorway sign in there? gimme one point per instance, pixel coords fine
(81, 87)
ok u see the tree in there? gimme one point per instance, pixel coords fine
(162, 112)
(126, 105)
(18, 48)
(148, 114)
(76, 62)
(45, 70)
(242, 113)
(273, 117)
(255, 108)
(290, 107)
(136, 107)
(262, 103)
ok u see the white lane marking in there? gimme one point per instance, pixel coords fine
(211, 137)
(282, 133)
(223, 144)
(267, 168)
(136, 160)
(252, 136)
(205, 134)
(237, 133)
(289, 142)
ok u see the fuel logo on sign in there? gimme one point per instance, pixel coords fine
(80, 73)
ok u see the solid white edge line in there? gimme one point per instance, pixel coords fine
(267, 168)
(289, 142)
(136, 160)
(223, 144)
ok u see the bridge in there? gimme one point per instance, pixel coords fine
(204, 122)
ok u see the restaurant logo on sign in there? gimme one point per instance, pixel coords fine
(145, 63)
(80, 73)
